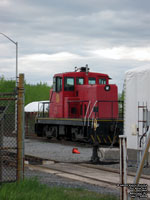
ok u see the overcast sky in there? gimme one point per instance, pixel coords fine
(111, 36)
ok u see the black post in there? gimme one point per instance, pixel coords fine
(95, 157)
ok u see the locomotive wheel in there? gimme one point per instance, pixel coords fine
(51, 131)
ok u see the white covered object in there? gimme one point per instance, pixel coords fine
(36, 106)
(137, 90)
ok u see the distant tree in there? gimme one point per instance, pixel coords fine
(37, 92)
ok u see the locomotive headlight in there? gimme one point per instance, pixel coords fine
(107, 87)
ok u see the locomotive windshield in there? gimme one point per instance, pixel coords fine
(92, 81)
(79, 81)
(68, 84)
(102, 81)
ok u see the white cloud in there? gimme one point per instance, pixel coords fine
(4, 3)
(61, 56)
(124, 53)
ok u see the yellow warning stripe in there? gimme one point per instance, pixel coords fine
(99, 140)
(109, 139)
(92, 138)
(104, 140)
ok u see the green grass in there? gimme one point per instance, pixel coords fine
(31, 189)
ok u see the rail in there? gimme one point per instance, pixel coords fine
(88, 173)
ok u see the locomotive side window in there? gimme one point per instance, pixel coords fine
(79, 81)
(68, 84)
(102, 81)
(57, 84)
(92, 81)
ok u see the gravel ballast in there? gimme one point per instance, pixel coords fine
(63, 153)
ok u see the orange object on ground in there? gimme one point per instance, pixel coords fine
(75, 150)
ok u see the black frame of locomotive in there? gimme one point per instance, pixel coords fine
(106, 133)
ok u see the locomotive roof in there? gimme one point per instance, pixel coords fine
(81, 73)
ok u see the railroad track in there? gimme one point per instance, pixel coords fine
(59, 141)
(92, 174)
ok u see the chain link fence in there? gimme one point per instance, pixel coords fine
(8, 138)
(12, 134)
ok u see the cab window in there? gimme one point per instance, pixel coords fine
(92, 81)
(102, 81)
(68, 83)
(57, 84)
(79, 81)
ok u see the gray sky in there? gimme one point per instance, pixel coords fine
(111, 36)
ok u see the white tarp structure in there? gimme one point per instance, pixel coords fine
(137, 93)
(37, 106)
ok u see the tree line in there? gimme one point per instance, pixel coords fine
(33, 92)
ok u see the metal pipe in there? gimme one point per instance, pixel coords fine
(86, 112)
(16, 43)
(123, 167)
(91, 111)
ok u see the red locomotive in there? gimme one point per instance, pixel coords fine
(83, 106)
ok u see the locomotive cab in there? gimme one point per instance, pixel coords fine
(75, 94)
(76, 99)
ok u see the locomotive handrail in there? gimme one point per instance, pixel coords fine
(41, 108)
(116, 101)
(91, 111)
(97, 101)
(111, 101)
(87, 111)
(71, 101)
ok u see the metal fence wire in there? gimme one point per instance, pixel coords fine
(8, 138)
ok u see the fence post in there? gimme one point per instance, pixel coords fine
(20, 131)
(1, 145)
(123, 167)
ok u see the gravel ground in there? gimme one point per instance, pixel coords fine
(53, 180)
(57, 152)
(63, 153)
